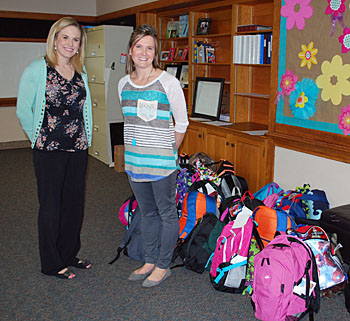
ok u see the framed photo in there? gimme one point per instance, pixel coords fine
(179, 52)
(184, 54)
(203, 26)
(173, 70)
(184, 76)
(171, 54)
(207, 98)
(164, 55)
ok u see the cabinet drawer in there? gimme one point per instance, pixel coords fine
(99, 118)
(95, 43)
(98, 147)
(97, 95)
(95, 69)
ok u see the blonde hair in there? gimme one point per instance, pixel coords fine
(136, 36)
(78, 59)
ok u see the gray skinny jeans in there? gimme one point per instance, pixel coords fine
(157, 202)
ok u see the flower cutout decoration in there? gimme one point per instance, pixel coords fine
(307, 55)
(335, 7)
(296, 11)
(344, 120)
(344, 39)
(302, 101)
(334, 80)
(288, 81)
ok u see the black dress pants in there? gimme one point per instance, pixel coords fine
(61, 187)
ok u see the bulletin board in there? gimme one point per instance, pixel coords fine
(314, 65)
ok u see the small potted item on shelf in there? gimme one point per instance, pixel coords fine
(203, 26)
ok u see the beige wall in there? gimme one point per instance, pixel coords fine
(76, 7)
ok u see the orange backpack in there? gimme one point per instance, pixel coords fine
(270, 221)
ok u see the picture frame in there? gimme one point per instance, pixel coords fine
(179, 53)
(171, 54)
(184, 54)
(203, 26)
(184, 76)
(164, 55)
(173, 70)
(208, 97)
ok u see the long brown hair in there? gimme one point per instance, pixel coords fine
(136, 36)
(78, 59)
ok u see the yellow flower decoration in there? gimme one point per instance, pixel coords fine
(335, 80)
(301, 100)
(307, 55)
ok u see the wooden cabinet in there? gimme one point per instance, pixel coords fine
(246, 152)
(106, 47)
(247, 87)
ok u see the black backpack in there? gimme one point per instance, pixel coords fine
(191, 251)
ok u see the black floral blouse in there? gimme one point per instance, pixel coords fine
(63, 125)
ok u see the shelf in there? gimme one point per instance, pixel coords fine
(253, 65)
(218, 35)
(211, 63)
(174, 39)
(253, 95)
(252, 32)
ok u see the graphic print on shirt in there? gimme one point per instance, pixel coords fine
(147, 110)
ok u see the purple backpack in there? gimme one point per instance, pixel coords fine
(285, 284)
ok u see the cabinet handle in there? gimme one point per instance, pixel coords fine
(94, 103)
(97, 153)
(93, 78)
(232, 145)
(199, 135)
(93, 53)
(96, 128)
(227, 143)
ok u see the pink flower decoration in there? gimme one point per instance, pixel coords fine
(288, 81)
(344, 39)
(344, 120)
(335, 7)
(296, 11)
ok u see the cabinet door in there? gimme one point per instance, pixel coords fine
(194, 140)
(250, 161)
(219, 145)
(95, 43)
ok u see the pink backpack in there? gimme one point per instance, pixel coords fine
(127, 209)
(285, 280)
(228, 268)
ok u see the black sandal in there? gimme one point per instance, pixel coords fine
(82, 264)
(67, 275)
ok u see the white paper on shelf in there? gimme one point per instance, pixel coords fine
(219, 123)
(255, 132)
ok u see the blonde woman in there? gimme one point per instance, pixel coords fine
(54, 108)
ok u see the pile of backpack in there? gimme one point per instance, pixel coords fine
(249, 243)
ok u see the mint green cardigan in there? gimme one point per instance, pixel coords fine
(31, 100)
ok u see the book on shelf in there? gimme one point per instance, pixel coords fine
(210, 54)
(252, 27)
(183, 26)
(252, 49)
(172, 29)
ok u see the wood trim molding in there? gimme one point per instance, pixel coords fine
(8, 102)
(309, 145)
(2, 39)
(44, 16)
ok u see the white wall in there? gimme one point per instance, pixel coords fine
(107, 6)
(69, 7)
(294, 169)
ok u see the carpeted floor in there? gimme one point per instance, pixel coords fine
(103, 293)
